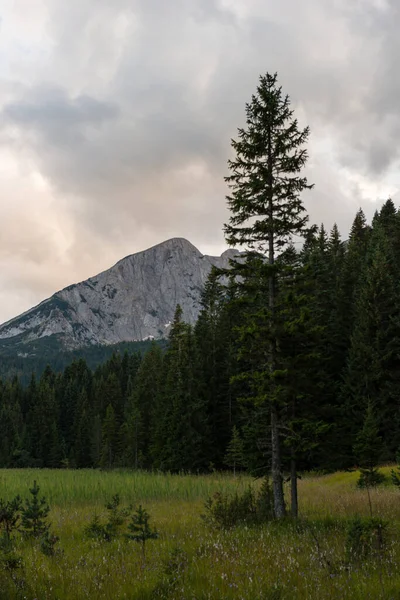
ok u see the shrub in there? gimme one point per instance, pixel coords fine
(225, 511)
(116, 516)
(265, 502)
(9, 519)
(96, 529)
(10, 561)
(138, 527)
(364, 537)
(173, 574)
(48, 544)
(370, 478)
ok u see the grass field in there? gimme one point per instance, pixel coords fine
(190, 560)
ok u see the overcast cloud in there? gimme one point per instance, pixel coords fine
(116, 119)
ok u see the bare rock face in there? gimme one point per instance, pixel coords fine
(134, 300)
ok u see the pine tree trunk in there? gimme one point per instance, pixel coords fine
(276, 470)
(294, 508)
(277, 483)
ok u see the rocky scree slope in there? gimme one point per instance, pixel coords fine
(134, 300)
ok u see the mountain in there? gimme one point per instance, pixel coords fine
(134, 300)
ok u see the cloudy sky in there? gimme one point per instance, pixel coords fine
(116, 118)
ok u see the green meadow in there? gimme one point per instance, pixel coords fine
(304, 559)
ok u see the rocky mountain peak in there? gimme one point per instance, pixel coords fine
(133, 300)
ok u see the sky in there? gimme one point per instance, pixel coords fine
(116, 119)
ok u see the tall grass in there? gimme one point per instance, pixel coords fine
(89, 486)
(289, 560)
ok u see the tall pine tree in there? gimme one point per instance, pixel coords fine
(267, 213)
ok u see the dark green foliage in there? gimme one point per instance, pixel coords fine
(395, 473)
(174, 568)
(113, 527)
(139, 528)
(372, 370)
(234, 456)
(109, 442)
(333, 345)
(9, 518)
(96, 529)
(143, 410)
(395, 476)
(11, 582)
(365, 537)
(48, 351)
(30, 519)
(216, 350)
(225, 511)
(265, 502)
(175, 565)
(371, 477)
(34, 515)
(117, 516)
(266, 213)
(368, 449)
(10, 561)
(48, 544)
(180, 427)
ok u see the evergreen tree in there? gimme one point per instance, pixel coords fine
(82, 430)
(96, 441)
(140, 529)
(373, 365)
(367, 450)
(34, 514)
(109, 448)
(178, 439)
(322, 260)
(215, 349)
(44, 435)
(353, 266)
(11, 422)
(267, 212)
(299, 376)
(143, 409)
(234, 451)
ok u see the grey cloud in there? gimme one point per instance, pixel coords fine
(167, 119)
(133, 134)
(49, 109)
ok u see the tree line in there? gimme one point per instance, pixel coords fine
(192, 406)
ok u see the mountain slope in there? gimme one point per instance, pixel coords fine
(134, 300)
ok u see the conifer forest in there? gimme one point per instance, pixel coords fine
(305, 324)
(181, 408)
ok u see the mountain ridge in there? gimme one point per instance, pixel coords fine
(133, 300)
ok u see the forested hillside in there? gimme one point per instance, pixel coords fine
(192, 406)
(39, 354)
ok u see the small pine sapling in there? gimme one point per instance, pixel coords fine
(140, 530)
(48, 544)
(116, 517)
(395, 473)
(367, 449)
(234, 451)
(96, 529)
(34, 515)
(173, 574)
(9, 519)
